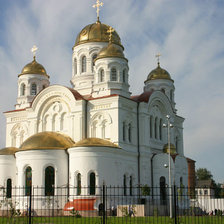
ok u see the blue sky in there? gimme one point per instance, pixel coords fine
(189, 34)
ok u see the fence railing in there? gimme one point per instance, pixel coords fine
(107, 204)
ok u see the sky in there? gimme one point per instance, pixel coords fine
(188, 34)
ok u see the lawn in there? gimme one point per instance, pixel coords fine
(116, 220)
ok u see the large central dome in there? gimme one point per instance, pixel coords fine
(96, 32)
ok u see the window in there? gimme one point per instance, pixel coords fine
(171, 95)
(102, 75)
(9, 188)
(75, 66)
(162, 183)
(124, 74)
(113, 74)
(93, 63)
(28, 180)
(130, 182)
(155, 124)
(22, 90)
(92, 186)
(79, 186)
(124, 136)
(43, 87)
(160, 129)
(176, 143)
(163, 90)
(150, 126)
(129, 132)
(49, 181)
(33, 89)
(83, 64)
(125, 185)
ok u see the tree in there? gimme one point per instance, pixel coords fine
(203, 174)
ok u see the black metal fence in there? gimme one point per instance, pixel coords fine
(108, 204)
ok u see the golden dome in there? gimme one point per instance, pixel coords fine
(8, 151)
(110, 51)
(47, 140)
(96, 32)
(34, 68)
(96, 142)
(158, 73)
(172, 149)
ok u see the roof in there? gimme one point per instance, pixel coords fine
(95, 142)
(8, 151)
(204, 183)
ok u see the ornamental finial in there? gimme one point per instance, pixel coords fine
(34, 50)
(110, 31)
(97, 6)
(157, 56)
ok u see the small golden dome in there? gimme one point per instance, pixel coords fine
(96, 32)
(34, 68)
(8, 151)
(158, 73)
(47, 140)
(172, 149)
(110, 51)
(96, 142)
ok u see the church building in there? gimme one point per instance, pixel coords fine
(95, 131)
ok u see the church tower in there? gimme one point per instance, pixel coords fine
(31, 81)
(160, 79)
(99, 67)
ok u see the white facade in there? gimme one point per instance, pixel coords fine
(98, 106)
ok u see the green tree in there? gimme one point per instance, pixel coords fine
(203, 174)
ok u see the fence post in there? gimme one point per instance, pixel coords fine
(104, 199)
(175, 204)
(30, 207)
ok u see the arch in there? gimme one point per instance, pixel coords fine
(22, 89)
(79, 183)
(92, 183)
(102, 76)
(9, 188)
(49, 181)
(162, 184)
(93, 60)
(28, 180)
(113, 74)
(33, 90)
(83, 63)
(75, 66)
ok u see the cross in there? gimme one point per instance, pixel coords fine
(157, 56)
(34, 50)
(97, 6)
(110, 31)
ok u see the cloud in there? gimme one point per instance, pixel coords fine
(188, 34)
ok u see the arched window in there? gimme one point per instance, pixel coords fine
(28, 180)
(113, 74)
(93, 59)
(33, 89)
(22, 89)
(160, 129)
(125, 185)
(43, 87)
(83, 64)
(9, 188)
(124, 74)
(102, 78)
(171, 95)
(150, 131)
(75, 66)
(124, 136)
(79, 184)
(130, 183)
(162, 183)
(163, 90)
(129, 132)
(92, 184)
(181, 181)
(176, 143)
(155, 128)
(49, 181)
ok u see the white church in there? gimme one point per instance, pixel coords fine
(93, 132)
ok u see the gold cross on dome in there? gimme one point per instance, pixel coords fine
(34, 50)
(110, 31)
(97, 6)
(157, 56)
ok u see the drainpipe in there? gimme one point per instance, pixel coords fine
(85, 117)
(68, 180)
(138, 147)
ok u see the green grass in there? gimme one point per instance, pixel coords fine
(116, 220)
